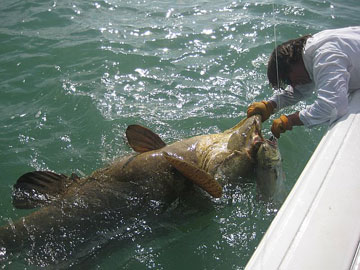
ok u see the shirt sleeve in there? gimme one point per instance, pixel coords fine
(291, 96)
(331, 78)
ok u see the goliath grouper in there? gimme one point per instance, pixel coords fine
(73, 211)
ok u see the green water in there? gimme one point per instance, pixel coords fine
(74, 74)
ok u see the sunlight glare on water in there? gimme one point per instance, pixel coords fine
(75, 74)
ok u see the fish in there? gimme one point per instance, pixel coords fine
(269, 172)
(70, 212)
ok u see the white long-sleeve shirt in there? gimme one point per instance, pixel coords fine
(332, 59)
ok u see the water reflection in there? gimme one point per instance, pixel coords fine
(76, 74)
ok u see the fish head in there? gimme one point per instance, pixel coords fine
(238, 158)
(268, 154)
(269, 174)
(246, 136)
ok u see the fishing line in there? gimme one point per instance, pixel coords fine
(275, 46)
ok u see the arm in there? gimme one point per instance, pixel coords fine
(284, 123)
(294, 119)
(278, 101)
(331, 78)
(290, 96)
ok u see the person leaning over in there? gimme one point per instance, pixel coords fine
(328, 61)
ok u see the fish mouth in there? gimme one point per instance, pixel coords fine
(247, 136)
(273, 141)
(255, 138)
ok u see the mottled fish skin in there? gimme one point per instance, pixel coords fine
(269, 173)
(136, 186)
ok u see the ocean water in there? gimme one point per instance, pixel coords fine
(74, 74)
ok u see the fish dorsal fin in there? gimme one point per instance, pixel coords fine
(142, 139)
(196, 175)
(38, 188)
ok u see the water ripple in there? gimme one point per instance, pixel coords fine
(74, 74)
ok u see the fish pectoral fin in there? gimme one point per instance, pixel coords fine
(38, 188)
(142, 139)
(196, 175)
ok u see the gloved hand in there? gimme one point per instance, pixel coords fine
(265, 108)
(280, 125)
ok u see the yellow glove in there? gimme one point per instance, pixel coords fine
(265, 108)
(280, 125)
